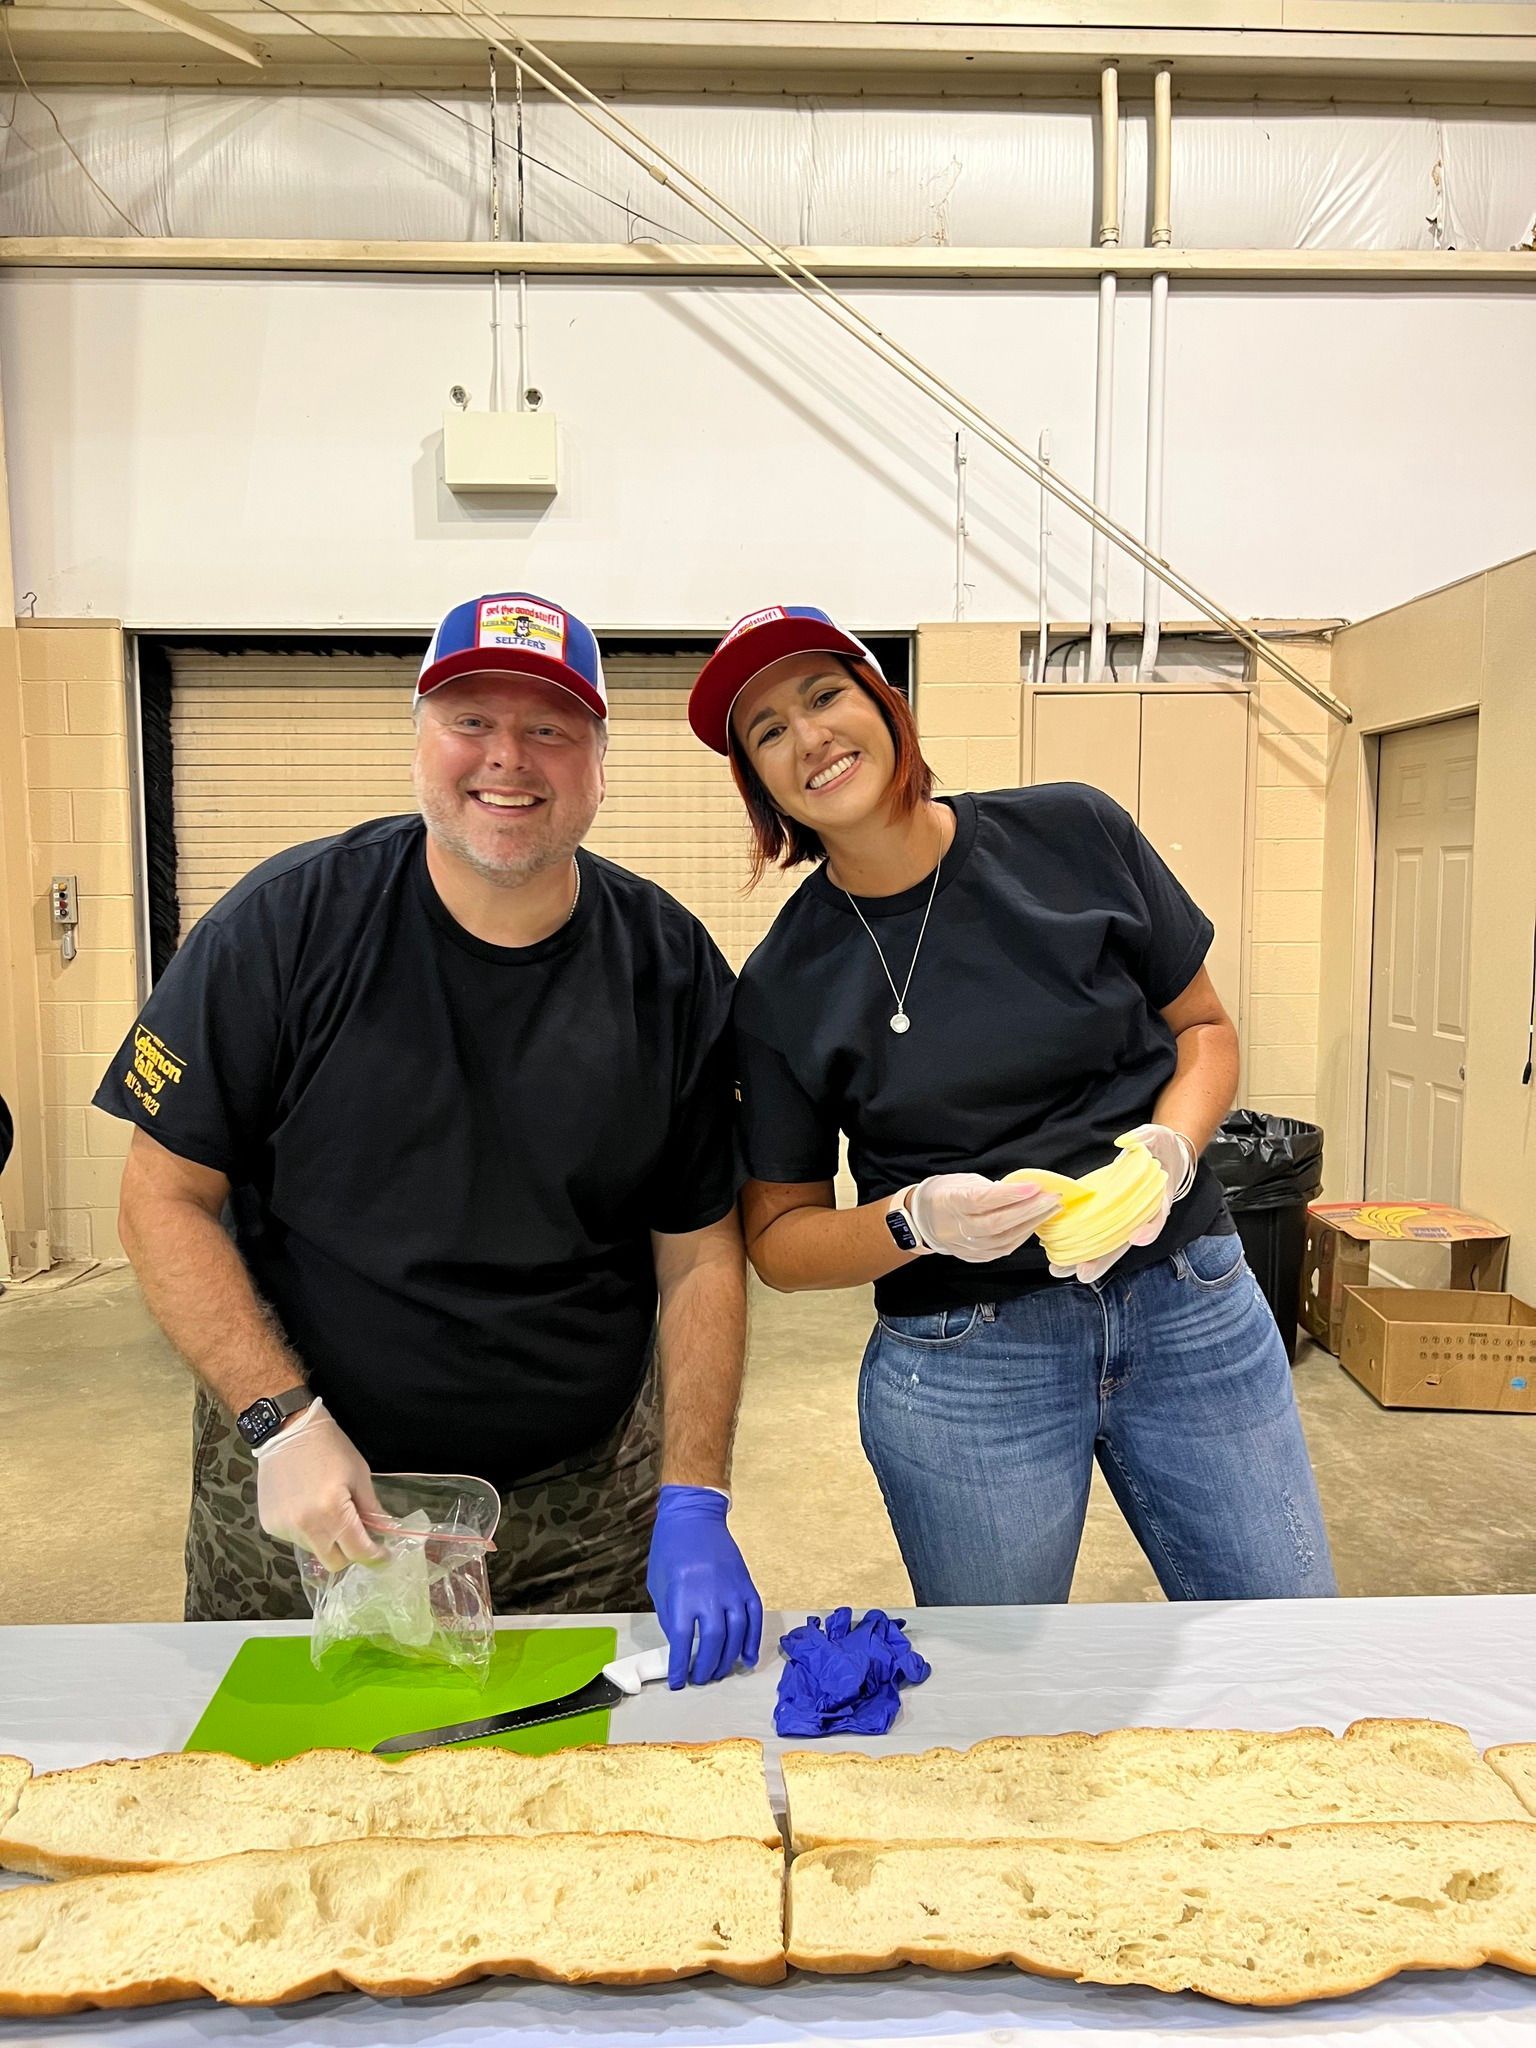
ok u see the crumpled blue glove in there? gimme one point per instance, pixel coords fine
(698, 1582)
(845, 1681)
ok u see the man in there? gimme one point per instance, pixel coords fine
(467, 1092)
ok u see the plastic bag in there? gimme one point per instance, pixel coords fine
(429, 1597)
(1266, 1162)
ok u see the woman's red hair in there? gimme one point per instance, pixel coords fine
(778, 841)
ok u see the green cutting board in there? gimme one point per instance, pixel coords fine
(273, 1703)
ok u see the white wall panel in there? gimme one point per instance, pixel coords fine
(956, 171)
(246, 451)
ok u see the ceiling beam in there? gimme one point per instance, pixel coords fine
(658, 260)
(191, 21)
(1392, 50)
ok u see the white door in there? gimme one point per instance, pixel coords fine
(1426, 792)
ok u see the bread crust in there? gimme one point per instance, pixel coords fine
(1366, 1739)
(306, 1864)
(33, 1857)
(1191, 1851)
(1515, 1763)
(15, 1776)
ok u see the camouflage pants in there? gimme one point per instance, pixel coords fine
(571, 1540)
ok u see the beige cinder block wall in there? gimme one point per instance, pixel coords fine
(1470, 647)
(74, 710)
(969, 701)
(1284, 954)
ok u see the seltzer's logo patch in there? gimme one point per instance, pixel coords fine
(772, 611)
(516, 622)
(154, 1064)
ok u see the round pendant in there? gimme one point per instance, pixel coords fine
(901, 1022)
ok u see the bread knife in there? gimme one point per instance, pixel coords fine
(618, 1681)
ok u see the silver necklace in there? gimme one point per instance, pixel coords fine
(575, 899)
(901, 1022)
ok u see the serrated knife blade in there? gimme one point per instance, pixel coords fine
(618, 1681)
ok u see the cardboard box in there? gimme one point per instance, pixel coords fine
(1338, 1253)
(1416, 1347)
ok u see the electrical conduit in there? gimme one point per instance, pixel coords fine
(1104, 393)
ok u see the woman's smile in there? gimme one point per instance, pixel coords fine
(835, 774)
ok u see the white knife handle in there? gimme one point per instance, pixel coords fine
(630, 1673)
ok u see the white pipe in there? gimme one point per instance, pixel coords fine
(496, 370)
(1103, 450)
(1157, 391)
(497, 375)
(1109, 131)
(1162, 158)
(962, 532)
(1104, 378)
(1044, 645)
(1157, 368)
(524, 375)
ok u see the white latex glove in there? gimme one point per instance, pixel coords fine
(966, 1216)
(1175, 1154)
(313, 1488)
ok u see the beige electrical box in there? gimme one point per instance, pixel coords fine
(500, 451)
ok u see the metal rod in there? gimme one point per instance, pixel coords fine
(1043, 647)
(962, 532)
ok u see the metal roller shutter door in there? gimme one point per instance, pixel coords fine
(271, 750)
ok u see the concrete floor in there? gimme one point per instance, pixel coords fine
(94, 1455)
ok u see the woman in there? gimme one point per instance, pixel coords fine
(967, 987)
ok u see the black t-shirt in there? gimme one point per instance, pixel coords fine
(1056, 937)
(447, 1156)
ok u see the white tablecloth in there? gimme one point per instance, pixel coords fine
(70, 1695)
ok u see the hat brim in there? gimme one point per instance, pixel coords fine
(732, 667)
(508, 661)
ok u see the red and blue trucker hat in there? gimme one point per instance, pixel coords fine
(755, 643)
(514, 633)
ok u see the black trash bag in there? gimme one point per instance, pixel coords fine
(1266, 1162)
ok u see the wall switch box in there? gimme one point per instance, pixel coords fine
(500, 451)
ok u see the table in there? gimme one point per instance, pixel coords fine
(71, 1695)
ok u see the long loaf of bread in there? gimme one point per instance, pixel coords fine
(1515, 1763)
(1267, 1920)
(1141, 1781)
(396, 1919)
(142, 1814)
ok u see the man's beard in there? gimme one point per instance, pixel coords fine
(441, 819)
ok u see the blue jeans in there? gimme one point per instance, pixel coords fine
(982, 1425)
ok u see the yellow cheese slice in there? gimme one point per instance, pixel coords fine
(1100, 1211)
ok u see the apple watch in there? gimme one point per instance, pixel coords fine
(901, 1226)
(266, 1417)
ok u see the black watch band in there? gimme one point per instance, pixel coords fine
(266, 1417)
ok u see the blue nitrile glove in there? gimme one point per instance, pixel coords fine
(698, 1579)
(845, 1682)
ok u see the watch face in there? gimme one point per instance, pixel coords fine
(258, 1421)
(901, 1230)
